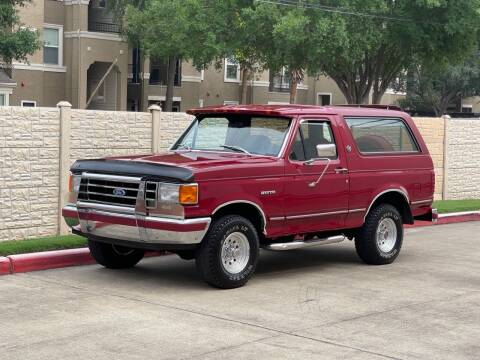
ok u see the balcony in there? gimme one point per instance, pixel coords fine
(103, 27)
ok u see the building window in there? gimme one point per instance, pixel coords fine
(4, 98)
(101, 4)
(280, 81)
(324, 99)
(29, 103)
(232, 70)
(52, 45)
(159, 72)
(230, 102)
(467, 108)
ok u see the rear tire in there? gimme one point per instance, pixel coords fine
(114, 256)
(228, 255)
(380, 239)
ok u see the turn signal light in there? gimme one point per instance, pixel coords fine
(70, 183)
(188, 194)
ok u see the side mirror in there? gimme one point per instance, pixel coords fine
(326, 150)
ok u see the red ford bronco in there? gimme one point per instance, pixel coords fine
(241, 178)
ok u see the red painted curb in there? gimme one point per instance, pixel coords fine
(447, 220)
(5, 266)
(50, 260)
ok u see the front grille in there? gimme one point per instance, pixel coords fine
(151, 195)
(112, 192)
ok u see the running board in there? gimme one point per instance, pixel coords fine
(304, 244)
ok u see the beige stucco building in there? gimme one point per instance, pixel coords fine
(82, 47)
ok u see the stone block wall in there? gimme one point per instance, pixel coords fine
(433, 132)
(172, 125)
(29, 172)
(106, 133)
(463, 159)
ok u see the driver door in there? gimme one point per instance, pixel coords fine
(312, 203)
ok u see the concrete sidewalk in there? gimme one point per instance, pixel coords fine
(319, 303)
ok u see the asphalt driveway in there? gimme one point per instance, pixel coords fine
(319, 303)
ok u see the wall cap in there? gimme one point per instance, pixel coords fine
(154, 108)
(64, 104)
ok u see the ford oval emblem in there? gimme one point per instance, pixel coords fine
(119, 192)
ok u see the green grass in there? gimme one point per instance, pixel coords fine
(41, 244)
(449, 206)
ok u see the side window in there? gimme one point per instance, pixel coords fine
(311, 134)
(381, 135)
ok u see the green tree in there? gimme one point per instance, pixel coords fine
(364, 45)
(173, 30)
(241, 30)
(16, 42)
(290, 44)
(435, 88)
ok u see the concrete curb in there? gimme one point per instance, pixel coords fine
(50, 260)
(450, 218)
(5, 266)
(22, 263)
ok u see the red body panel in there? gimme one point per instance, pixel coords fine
(280, 188)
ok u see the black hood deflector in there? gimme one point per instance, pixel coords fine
(148, 171)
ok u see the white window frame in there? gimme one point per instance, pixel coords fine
(6, 93)
(230, 62)
(231, 102)
(28, 101)
(60, 42)
(322, 94)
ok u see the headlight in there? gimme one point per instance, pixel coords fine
(168, 193)
(74, 183)
(180, 194)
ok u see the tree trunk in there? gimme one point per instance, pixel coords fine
(295, 78)
(293, 90)
(245, 79)
(172, 67)
(377, 96)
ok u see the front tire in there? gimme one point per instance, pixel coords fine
(380, 239)
(114, 256)
(228, 255)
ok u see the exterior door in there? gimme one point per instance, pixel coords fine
(314, 202)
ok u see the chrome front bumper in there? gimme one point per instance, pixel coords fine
(124, 224)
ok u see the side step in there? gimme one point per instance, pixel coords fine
(304, 244)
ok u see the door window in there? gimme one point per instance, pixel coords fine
(309, 135)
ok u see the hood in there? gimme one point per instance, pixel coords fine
(184, 166)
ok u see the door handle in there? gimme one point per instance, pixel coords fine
(341, 170)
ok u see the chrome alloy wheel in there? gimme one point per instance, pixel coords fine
(235, 253)
(386, 235)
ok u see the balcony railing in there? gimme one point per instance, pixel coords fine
(104, 27)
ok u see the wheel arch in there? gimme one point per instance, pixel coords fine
(245, 208)
(397, 198)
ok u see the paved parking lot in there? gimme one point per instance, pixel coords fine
(319, 303)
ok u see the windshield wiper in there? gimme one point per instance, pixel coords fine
(235, 148)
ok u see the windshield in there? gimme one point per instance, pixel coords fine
(236, 133)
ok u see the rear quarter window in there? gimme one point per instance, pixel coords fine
(382, 135)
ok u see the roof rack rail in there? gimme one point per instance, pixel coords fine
(375, 106)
